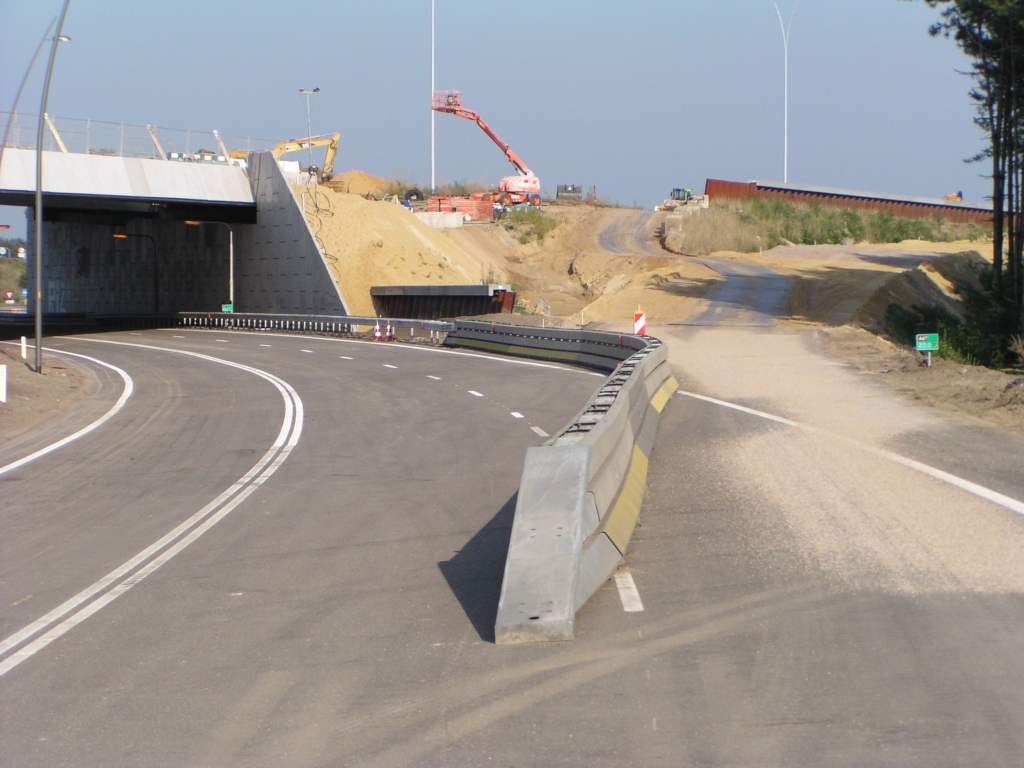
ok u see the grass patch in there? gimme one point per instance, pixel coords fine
(528, 225)
(759, 224)
(13, 277)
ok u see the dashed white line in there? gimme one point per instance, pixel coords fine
(540, 431)
(390, 366)
(516, 415)
(474, 393)
(222, 341)
(265, 345)
(310, 351)
(179, 337)
(346, 357)
(628, 593)
(435, 378)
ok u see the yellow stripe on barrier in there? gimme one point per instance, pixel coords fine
(620, 522)
(662, 395)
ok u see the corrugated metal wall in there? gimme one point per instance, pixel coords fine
(717, 189)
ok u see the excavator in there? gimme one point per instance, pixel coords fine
(512, 190)
(297, 145)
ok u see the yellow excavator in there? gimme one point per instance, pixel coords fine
(297, 145)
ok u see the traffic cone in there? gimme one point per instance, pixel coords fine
(389, 334)
(376, 331)
(639, 322)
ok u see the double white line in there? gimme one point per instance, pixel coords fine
(20, 646)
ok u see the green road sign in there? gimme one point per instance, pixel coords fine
(231, 308)
(927, 342)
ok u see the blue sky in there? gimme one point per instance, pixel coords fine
(631, 97)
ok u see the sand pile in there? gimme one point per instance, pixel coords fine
(358, 183)
(371, 243)
(932, 284)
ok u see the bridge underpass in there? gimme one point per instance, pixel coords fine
(179, 218)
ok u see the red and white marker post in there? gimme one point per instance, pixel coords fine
(639, 322)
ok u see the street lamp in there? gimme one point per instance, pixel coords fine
(231, 257)
(309, 130)
(156, 266)
(57, 38)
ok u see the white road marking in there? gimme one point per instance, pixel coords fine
(474, 393)
(346, 357)
(965, 485)
(310, 351)
(179, 337)
(390, 366)
(516, 415)
(175, 541)
(628, 594)
(129, 387)
(222, 341)
(435, 378)
(417, 348)
(540, 431)
(264, 345)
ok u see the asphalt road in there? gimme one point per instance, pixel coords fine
(806, 601)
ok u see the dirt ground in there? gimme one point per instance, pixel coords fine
(34, 398)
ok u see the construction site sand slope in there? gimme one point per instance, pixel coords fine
(368, 243)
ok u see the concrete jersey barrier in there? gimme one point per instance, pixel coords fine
(580, 494)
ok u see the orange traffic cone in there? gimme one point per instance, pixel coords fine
(376, 331)
(389, 334)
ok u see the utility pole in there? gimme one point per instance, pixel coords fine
(785, 131)
(57, 38)
(433, 185)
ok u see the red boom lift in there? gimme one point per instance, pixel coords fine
(524, 188)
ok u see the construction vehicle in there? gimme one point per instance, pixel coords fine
(683, 198)
(298, 145)
(512, 190)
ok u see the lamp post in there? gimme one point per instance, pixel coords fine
(231, 257)
(785, 130)
(17, 97)
(309, 130)
(57, 38)
(156, 266)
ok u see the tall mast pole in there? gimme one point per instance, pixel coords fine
(433, 184)
(785, 130)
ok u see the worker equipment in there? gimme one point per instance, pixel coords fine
(512, 190)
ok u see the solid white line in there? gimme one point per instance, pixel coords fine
(287, 438)
(516, 415)
(474, 393)
(435, 378)
(628, 593)
(965, 485)
(129, 387)
(540, 431)
(736, 407)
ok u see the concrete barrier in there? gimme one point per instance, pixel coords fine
(579, 499)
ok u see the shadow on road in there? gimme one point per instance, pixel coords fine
(474, 574)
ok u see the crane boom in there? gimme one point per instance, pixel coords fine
(451, 103)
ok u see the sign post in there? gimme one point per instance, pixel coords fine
(926, 339)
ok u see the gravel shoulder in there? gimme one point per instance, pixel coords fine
(38, 400)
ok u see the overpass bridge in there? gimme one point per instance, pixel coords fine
(176, 209)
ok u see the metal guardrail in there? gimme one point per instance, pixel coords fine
(341, 325)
